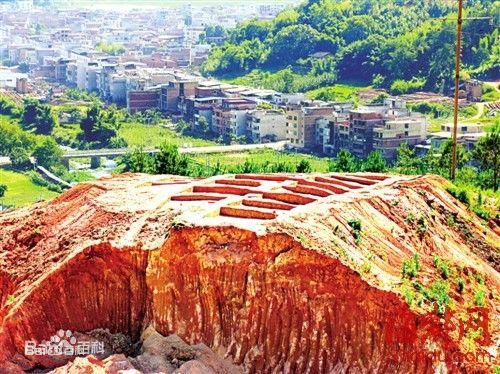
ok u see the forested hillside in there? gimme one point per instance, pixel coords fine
(407, 43)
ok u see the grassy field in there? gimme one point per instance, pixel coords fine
(138, 135)
(337, 92)
(21, 190)
(260, 157)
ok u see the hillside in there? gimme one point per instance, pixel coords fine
(408, 44)
(311, 273)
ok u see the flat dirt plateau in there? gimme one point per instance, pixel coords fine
(288, 273)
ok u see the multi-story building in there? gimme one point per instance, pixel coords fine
(301, 123)
(332, 133)
(172, 93)
(264, 125)
(394, 132)
(362, 123)
(467, 134)
(143, 100)
(230, 116)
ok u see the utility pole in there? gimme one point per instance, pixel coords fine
(457, 84)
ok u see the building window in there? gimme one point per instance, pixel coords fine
(407, 126)
(464, 128)
(406, 133)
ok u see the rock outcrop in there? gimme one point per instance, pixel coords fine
(278, 273)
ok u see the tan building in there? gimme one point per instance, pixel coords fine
(301, 123)
(266, 125)
(230, 116)
(175, 90)
(387, 138)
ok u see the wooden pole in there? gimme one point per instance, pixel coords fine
(457, 84)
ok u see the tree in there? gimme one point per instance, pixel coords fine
(304, 166)
(3, 190)
(38, 117)
(47, 153)
(100, 127)
(297, 41)
(487, 153)
(446, 154)
(375, 163)
(345, 162)
(406, 162)
(170, 161)
(138, 161)
(203, 125)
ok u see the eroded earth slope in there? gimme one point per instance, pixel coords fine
(278, 273)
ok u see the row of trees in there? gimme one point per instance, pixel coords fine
(377, 42)
(486, 157)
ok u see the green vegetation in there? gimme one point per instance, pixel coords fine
(442, 266)
(100, 128)
(337, 92)
(402, 48)
(3, 189)
(113, 49)
(21, 191)
(137, 134)
(460, 285)
(356, 230)
(438, 292)
(38, 117)
(479, 297)
(410, 268)
(490, 93)
(257, 161)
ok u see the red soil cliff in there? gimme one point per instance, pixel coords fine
(287, 273)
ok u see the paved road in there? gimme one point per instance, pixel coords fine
(193, 150)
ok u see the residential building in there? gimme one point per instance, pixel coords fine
(301, 123)
(387, 138)
(230, 116)
(265, 125)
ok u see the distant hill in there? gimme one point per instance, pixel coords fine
(407, 43)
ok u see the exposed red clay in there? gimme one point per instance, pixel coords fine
(224, 190)
(359, 180)
(199, 197)
(246, 213)
(376, 177)
(263, 177)
(308, 191)
(337, 182)
(323, 186)
(267, 204)
(238, 182)
(276, 282)
(288, 198)
(169, 183)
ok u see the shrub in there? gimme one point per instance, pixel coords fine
(411, 267)
(399, 86)
(438, 292)
(442, 266)
(356, 230)
(460, 285)
(3, 190)
(304, 166)
(479, 297)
